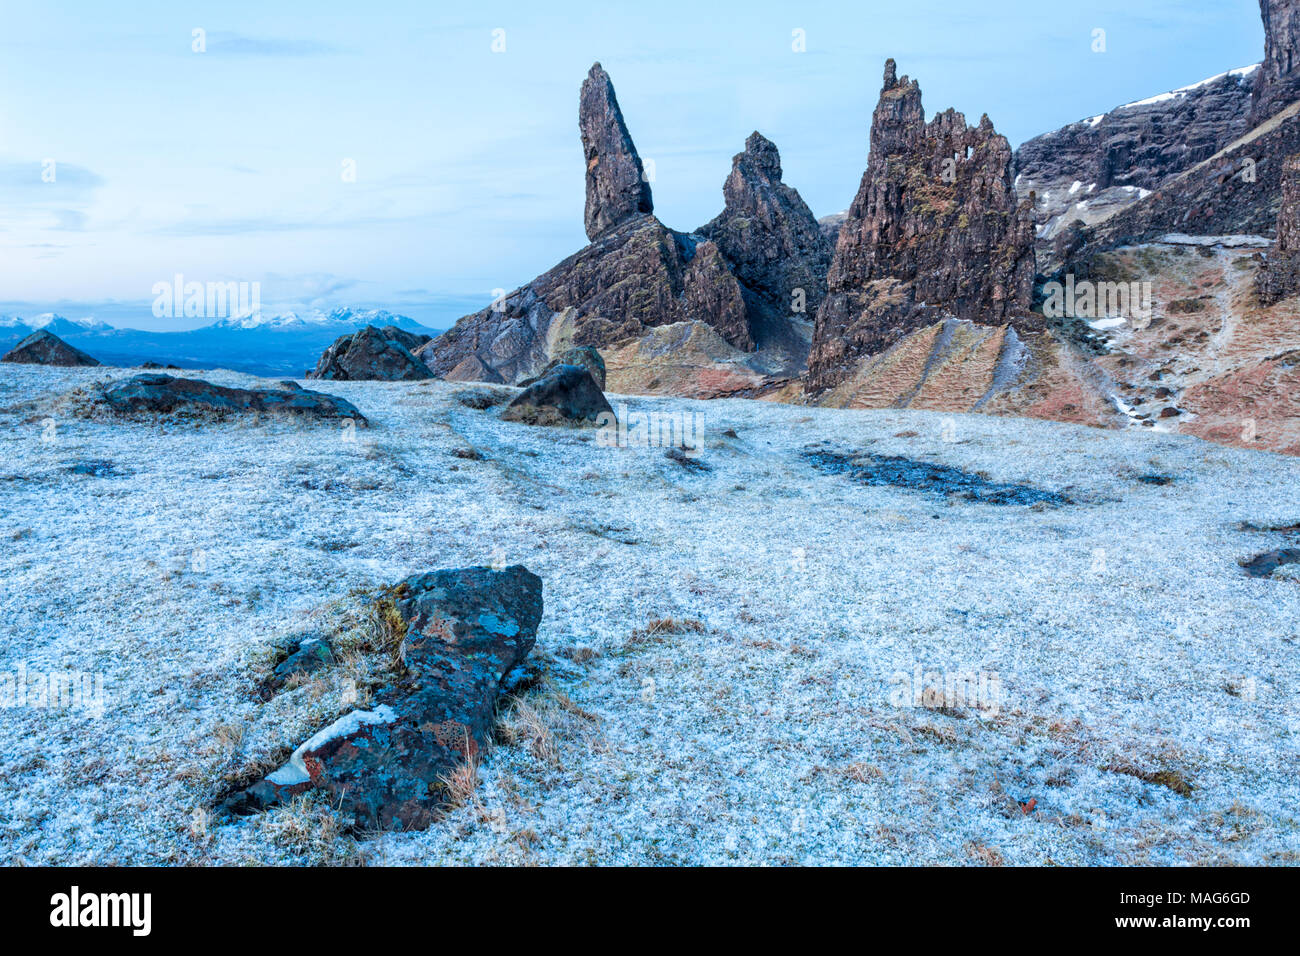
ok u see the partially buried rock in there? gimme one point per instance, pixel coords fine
(465, 630)
(1262, 565)
(585, 355)
(164, 394)
(383, 354)
(45, 348)
(566, 395)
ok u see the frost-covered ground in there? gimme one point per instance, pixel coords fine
(1124, 656)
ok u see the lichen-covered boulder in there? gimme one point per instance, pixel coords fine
(465, 630)
(566, 395)
(164, 394)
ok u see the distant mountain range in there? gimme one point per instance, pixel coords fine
(282, 344)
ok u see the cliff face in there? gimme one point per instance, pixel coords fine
(934, 231)
(1279, 82)
(1237, 189)
(1091, 169)
(1279, 277)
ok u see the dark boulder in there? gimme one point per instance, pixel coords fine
(383, 354)
(465, 630)
(163, 394)
(43, 347)
(566, 395)
(584, 355)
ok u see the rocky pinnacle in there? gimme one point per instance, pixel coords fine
(616, 186)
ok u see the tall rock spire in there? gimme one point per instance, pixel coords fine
(616, 185)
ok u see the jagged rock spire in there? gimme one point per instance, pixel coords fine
(770, 236)
(935, 230)
(616, 185)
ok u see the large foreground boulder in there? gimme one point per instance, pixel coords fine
(383, 354)
(465, 630)
(566, 395)
(164, 394)
(585, 355)
(45, 348)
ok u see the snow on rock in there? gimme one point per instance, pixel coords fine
(295, 771)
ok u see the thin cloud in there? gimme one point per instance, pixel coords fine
(241, 44)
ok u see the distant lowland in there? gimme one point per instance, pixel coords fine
(283, 344)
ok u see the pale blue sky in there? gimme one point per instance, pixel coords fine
(225, 165)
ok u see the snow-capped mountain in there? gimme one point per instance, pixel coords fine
(55, 323)
(342, 320)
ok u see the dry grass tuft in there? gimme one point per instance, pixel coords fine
(309, 827)
(983, 854)
(661, 627)
(1175, 780)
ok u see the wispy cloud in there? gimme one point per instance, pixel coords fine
(241, 44)
(46, 194)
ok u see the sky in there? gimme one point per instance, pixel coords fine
(229, 163)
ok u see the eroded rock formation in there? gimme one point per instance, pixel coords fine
(736, 276)
(934, 231)
(617, 189)
(1279, 81)
(767, 233)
